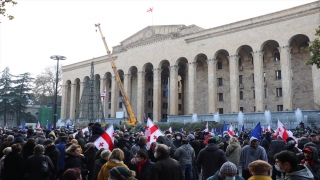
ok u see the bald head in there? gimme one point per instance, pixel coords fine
(162, 150)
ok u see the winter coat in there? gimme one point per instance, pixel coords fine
(303, 141)
(62, 149)
(217, 177)
(13, 167)
(315, 169)
(250, 154)
(136, 148)
(3, 146)
(299, 172)
(89, 153)
(19, 140)
(185, 154)
(266, 142)
(276, 146)
(166, 168)
(195, 144)
(33, 167)
(54, 155)
(233, 152)
(81, 141)
(125, 150)
(145, 170)
(260, 177)
(72, 161)
(97, 167)
(40, 139)
(27, 150)
(211, 159)
(104, 172)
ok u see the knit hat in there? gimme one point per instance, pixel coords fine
(120, 173)
(161, 139)
(259, 167)
(190, 137)
(228, 168)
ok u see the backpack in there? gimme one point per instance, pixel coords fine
(44, 165)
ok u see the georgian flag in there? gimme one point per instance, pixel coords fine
(106, 140)
(268, 129)
(38, 125)
(170, 130)
(283, 132)
(207, 128)
(103, 95)
(231, 131)
(152, 132)
(5, 127)
(124, 128)
(83, 130)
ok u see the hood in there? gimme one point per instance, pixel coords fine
(211, 147)
(234, 144)
(251, 139)
(314, 153)
(301, 171)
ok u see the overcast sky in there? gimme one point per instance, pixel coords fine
(42, 28)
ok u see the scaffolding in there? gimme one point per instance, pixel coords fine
(90, 107)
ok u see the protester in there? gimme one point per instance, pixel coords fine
(61, 146)
(266, 142)
(104, 156)
(54, 154)
(276, 146)
(211, 158)
(233, 151)
(142, 144)
(89, 153)
(186, 156)
(165, 168)
(151, 151)
(285, 161)
(121, 173)
(14, 164)
(291, 145)
(74, 159)
(228, 171)
(5, 152)
(143, 165)
(315, 139)
(260, 170)
(72, 174)
(28, 148)
(251, 153)
(311, 161)
(177, 139)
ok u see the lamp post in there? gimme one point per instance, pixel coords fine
(56, 57)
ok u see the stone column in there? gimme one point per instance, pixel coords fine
(73, 101)
(114, 97)
(127, 89)
(212, 86)
(81, 88)
(103, 89)
(63, 114)
(141, 96)
(191, 84)
(258, 79)
(186, 94)
(234, 83)
(157, 95)
(173, 94)
(286, 77)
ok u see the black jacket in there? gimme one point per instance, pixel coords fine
(195, 144)
(13, 167)
(72, 161)
(27, 150)
(211, 159)
(54, 155)
(266, 142)
(166, 168)
(145, 170)
(315, 169)
(34, 164)
(89, 153)
(97, 167)
(276, 146)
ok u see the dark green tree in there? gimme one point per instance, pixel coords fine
(314, 48)
(7, 95)
(3, 9)
(22, 89)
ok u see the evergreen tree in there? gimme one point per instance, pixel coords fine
(314, 48)
(22, 90)
(7, 95)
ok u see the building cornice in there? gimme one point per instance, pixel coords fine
(86, 63)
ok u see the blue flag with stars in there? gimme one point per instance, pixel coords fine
(68, 127)
(224, 127)
(242, 128)
(24, 125)
(256, 132)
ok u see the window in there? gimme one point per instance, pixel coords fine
(241, 94)
(252, 75)
(150, 115)
(109, 98)
(219, 65)
(265, 93)
(179, 107)
(254, 108)
(164, 105)
(265, 107)
(220, 83)
(252, 60)
(120, 94)
(239, 62)
(264, 77)
(109, 115)
(276, 56)
(150, 104)
(150, 79)
(178, 83)
(240, 79)
(254, 94)
(109, 105)
(278, 74)
(279, 92)
(110, 84)
(164, 116)
(163, 93)
(220, 110)
(180, 95)
(220, 96)
(279, 107)
(120, 105)
(150, 92)
(241, 109)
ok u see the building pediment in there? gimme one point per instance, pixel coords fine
(156, 33)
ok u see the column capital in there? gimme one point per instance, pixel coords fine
(141, 72)
(73, 84)
(287, 48)
(174, 68)
(127, 75)
(211, 61)
(233, 56)
(102, 79)
(260, 53)
(157, 70)
(192, 64)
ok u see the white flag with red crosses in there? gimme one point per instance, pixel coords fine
(152, 132)
(106, 140)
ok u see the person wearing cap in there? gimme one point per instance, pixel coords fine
(186, 156)
(251, 153)
(80, 137)
(142, 144)
(228, 171)
(311, 161)
(104, 156)
(260, 170)
(211, 158)
(291, 145)
(54, 154)
(276, 146)
(151, 151)
(285, 161)
(315, 139)
(143, 165)
(121, 173)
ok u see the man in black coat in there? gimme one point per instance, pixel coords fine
(13, 164)
(266, 141)
(165, 168)
(276, 146)
(315, 139)
(54, 154)
(303, 140)
(211, 158)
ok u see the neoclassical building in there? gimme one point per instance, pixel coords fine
(250, 65)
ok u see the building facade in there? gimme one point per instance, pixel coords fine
(251, 65)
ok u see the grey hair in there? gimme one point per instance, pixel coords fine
(105, 153)
(10, 138)
(141, 138)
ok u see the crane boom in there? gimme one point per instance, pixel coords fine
(132, 119)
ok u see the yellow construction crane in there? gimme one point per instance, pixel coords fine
(132, 120)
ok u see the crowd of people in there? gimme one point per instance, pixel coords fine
(60, 155)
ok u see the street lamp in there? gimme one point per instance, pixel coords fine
(56, 57)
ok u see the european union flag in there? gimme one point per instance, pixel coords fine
(220, 132)
(68, 127)
(49, 127)
(256, 132)
(24, 125)
(181, 130)
(242, 128)
(224, 127)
